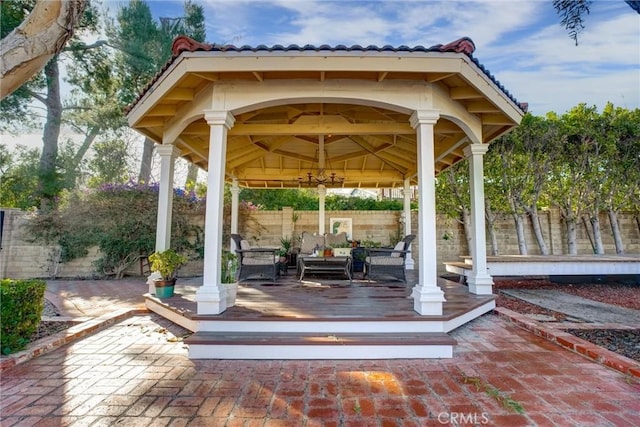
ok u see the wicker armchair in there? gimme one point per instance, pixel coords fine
(381, 262)
(257, 263)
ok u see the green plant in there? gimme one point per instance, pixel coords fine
(369, 243)
(504, 399)
(120, 220)
(21, 305)
(229, 267)
(341, 245)
(167, 263)
(286, 243)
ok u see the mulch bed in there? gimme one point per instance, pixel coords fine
(624, 342)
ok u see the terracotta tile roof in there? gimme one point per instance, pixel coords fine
(185, 44)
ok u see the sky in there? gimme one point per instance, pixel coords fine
(521, 43)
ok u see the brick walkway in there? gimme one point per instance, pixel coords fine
(136, 373)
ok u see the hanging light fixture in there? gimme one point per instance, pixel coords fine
(321, 177)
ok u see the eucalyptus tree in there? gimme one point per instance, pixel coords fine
(496, 196)
(569, 183)
(33, 39)
(590, 146)
(621, 187)
(526, 157)
(45, 88)
(453, 198)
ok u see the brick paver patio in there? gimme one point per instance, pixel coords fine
(135, 373)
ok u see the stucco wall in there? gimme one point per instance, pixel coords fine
(22, 258)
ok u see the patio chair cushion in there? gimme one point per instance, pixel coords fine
(385, 260)
(399, 247)
(259, 259)
(335, 239)
(244, 245)
(309, 243)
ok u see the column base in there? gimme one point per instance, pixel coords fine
(480, 284)
(211, 299)
(427, 300)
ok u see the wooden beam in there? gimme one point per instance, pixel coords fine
(482, 107)
(495, 119)
(259, 76)
(464, 92)
(382, 75)
(322, 129)
(150, 122)
(436, 77)
(212, 77)
(180, 94)
(162, 110)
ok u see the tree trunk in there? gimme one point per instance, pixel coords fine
(466, 224)
(145, 164)
(522, 241)
(192, 175)
(615, 229)
(48, 180)
(597, 235)
(537, 230)
(572, 246)
(30, 46)
(86, 144)
(491, 220)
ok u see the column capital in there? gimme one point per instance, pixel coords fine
(219, 117)
(235, 188)
(322, 190)
(475, 149)
(424, 117)
(168, 150)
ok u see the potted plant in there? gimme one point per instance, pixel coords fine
(166, 263)
(286, 244)
(229, 282)
(341, 249)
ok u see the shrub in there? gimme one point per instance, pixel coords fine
(21, 305)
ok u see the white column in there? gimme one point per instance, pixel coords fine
(322, 192)
(235, 209)
(427, 296)
(211, 296)
(480, 282)
(406, 193)
(168, 154)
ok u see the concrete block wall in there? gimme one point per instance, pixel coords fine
(22, 258)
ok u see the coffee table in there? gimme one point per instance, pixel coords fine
(317, 265)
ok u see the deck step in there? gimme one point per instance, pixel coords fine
(296, 345)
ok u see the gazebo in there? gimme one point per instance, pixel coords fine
(364, 117)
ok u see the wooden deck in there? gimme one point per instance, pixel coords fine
(552, 265)
(323, 298)
(321, 318)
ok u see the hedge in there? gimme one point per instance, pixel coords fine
(21, 305)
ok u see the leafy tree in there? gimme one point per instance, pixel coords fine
(453, 198)
(621, 183)
(142, 48)
(45, 88)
